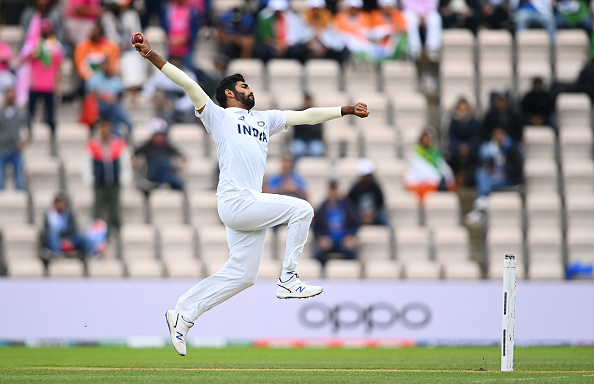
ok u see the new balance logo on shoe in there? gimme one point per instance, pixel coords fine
(180, 336)
(300, 289)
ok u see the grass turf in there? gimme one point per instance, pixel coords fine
(276, 365)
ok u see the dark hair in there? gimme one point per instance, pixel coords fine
(227, 83)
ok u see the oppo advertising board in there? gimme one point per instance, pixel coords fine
(446, 312)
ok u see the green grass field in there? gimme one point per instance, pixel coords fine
(301, 365)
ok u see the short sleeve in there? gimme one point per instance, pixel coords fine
(212, 115)
(277, 121)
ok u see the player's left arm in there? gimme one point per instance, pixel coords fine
(319, 115)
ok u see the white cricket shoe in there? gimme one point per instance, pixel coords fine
(296, 289)
(178, 329)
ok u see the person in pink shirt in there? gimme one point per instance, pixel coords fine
(417, 13)
(181, 23)
(46, 60)
(79, 18)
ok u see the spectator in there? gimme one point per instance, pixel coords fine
(530, 13)
(281, 33)
(389, 30)
(308, 139)
(464, 135)
(366, 194)
(80, 18)
(163, 160)
(354, 24)
(172, 103)
(181, 24)
(235, 34)
(496, 14)
(502, 166)
(60, 232)
(46, 61)
(90, 54)
(335, 226)
(288, 182)
(573, 14)
(48, 9)
(537, 105)
(7, 77)
(427, 170)
(584, 83)
(120, 22)
(108, 88)
(423, 12)
(12, 145)
(502, 114)
(461, 14)
(107, 166)
(325, 41)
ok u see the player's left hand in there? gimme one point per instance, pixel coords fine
(361, 110)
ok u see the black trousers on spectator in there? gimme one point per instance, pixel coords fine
(48, 101)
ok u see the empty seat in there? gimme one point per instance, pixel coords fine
(361, 78)
(543, 209)
(322, 75)
(178, 242)
(495, 270)
(200, 175)
(541, 175)
(544, 244)
(315, 170)
(504, 240)
(14, 207)
(189, 138)
(189, 268)
(533, 45)
(343, 269)
(571, 51)
(43, 174)
(493, 76)
(457, 78)
(66, 268)
(72, 139)
(442, 208)
(495, 46)
(574, 110)
(309, 268)
(457, 46)
(26, 267)
(73, 175)
(108, 267)
(138, 241)
(133, 205)
(379, 144)
(451, 243)
(539, 142)
(167, 207)
(383, 269)
(213, 243)
(20, 242)
(146, 268)
(273, 248)
(412, 244)
(399, 77)
(580, 244)
(203, 209)
(346, 172)
(270, 269)
(410, 111)
(461, 269)
(422, 269)
(576, 143)
(284, 76)
(580, 210)
(547, 270)
(81, 202)
(375, 242)
(41, 202)
(505, 210)
(403, 207)
(578, 175)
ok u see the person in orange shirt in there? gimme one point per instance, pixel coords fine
(389, 29)
(355, 25)
(90, 54)
(324, 41)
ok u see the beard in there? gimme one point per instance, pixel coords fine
(248, 100)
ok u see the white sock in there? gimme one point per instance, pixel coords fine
(286, 274)
(187, 321)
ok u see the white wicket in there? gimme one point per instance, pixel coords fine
(509, 313)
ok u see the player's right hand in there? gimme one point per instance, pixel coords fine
(143, 47)
(361, 110)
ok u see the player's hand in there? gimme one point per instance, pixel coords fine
(143, 47)
(361, 110)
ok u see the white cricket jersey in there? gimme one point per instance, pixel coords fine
(241, 138)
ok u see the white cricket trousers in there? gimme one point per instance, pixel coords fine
(247, 215)
(433, 26)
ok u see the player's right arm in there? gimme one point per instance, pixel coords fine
(179, 77)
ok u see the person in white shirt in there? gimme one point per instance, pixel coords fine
(241, 135)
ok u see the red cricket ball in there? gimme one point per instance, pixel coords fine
(138, 38)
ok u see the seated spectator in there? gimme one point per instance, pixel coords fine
(281, 33)
(181, 23)
(308, 139)
(7, 77)
(354, 24)
(496, 14)
(60, 232)
(172, 103)
(502, 166)
(464, 134)
(335, 226)
(235, 34)
(325, 41)
(537, 105)
(108, 88)
(90, 54)
(573, 14)
(366, 194)
(12, 144)
(46, 60)
(288, 182)
(461, 14)
(80, 17)
(427, 170)
(389, 30)
(106, 166)
(423, 12)
(502, 114)
(163, 160)
(531, 13)
(46, 9)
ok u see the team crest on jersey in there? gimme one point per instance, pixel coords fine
(242, 118)
(261, 123)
